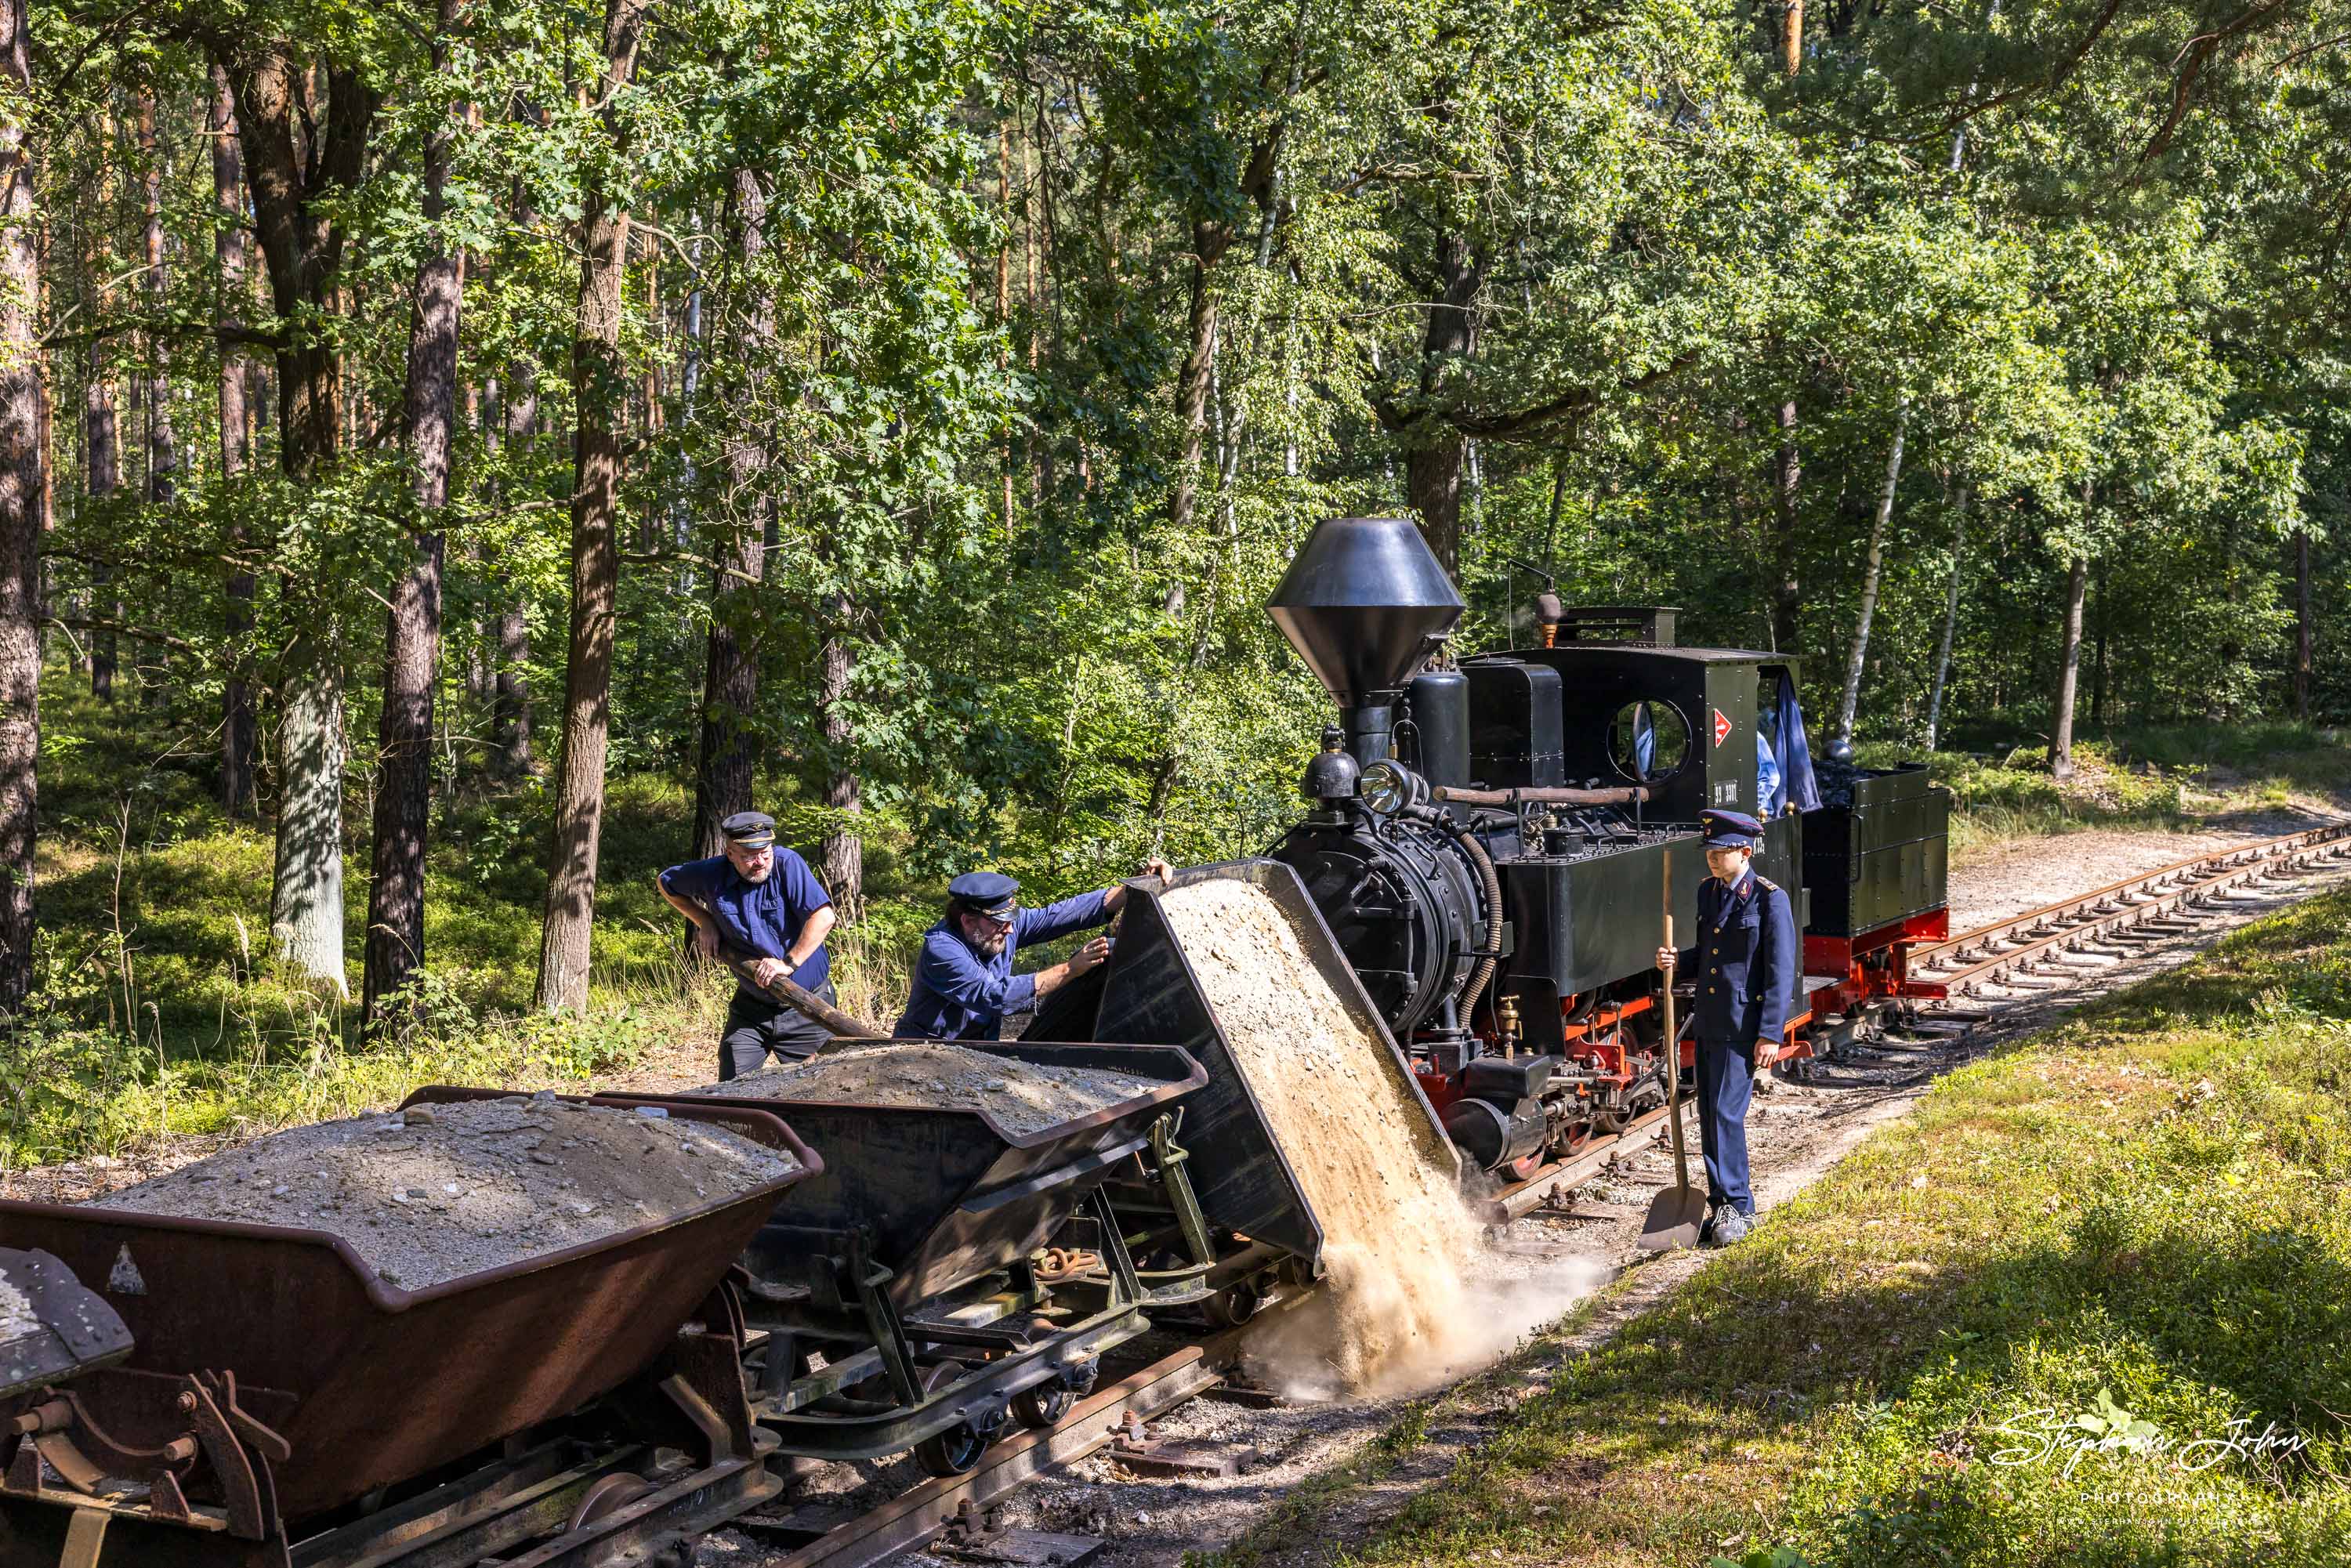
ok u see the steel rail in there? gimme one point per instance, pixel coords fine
(921, 1513)
(1989, 952)
(1523, 1197)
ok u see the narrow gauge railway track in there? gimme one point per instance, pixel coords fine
(2021, 944)
(1995, 955)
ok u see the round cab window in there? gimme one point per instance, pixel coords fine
(1649, 740)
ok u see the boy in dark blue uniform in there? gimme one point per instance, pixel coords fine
(1747, 957)
(765, 901)
(963, 983)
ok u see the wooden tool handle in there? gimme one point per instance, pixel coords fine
(801, 1000)
(1673, 1044)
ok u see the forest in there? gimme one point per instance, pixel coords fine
(456, 454)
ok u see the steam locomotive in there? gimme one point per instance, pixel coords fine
(1494, 840)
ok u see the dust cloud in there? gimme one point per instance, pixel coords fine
(1412, 1296)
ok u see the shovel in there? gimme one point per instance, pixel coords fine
(1677, 1212)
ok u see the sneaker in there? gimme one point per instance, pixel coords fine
(1729, 1224)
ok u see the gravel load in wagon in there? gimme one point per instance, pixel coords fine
(369, 1383)
(438, 1192)
(947, 1176)
(1022, 1097)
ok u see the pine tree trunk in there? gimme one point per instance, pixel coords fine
(20, 512)
(601, 389)
(1872, 572)
(1437, 454)
(155, 394)
(239, 726)
(844, 848)
(102, 473)
(2069, 670)
(412, 659)
(730, 685)
(1951, 618)
(1004, 300)
(162, 452)
(1208, 243)
(510, 703)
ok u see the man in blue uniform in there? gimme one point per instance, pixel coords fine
(963, 983)
(765, 901)
(1747, 957)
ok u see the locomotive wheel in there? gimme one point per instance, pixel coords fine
(1043, 1406)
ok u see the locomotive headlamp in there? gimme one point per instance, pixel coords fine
(1389, 787)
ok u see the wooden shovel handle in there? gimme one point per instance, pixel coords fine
(801, 1000)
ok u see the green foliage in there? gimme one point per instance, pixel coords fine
(935, 306)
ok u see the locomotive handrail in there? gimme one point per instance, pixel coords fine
(1541, 796)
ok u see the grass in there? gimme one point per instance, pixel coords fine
(2176, 777)
(2090, 1303)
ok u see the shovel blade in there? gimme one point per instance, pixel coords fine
(1674, 1220)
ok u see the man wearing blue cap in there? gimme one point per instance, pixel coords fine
(963, 983)
(765, 901)
(1748, 956)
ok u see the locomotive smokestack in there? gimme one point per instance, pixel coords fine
(1364, 603)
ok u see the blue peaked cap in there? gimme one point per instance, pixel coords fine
(990, 893)
(1732, 830)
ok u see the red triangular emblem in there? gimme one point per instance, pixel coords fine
(1721, 728)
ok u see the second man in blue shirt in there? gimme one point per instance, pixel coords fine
(963, 983)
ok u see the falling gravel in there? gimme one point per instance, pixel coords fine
(1022, 1097)
(1408, 1302)
(440, 1192)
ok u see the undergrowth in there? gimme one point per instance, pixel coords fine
(2180, 777)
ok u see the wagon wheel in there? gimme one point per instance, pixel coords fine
(605, 1498)
(1047, 1403)
(957, 1449)
(954, 1452)
(1235, 1305)
(1043, 1406)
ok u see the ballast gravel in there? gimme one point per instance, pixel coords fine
(442, 1191)
(1022, 1097)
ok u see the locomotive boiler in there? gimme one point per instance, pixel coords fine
(1491, 839)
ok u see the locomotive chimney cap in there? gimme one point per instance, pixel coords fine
(1364, 603)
